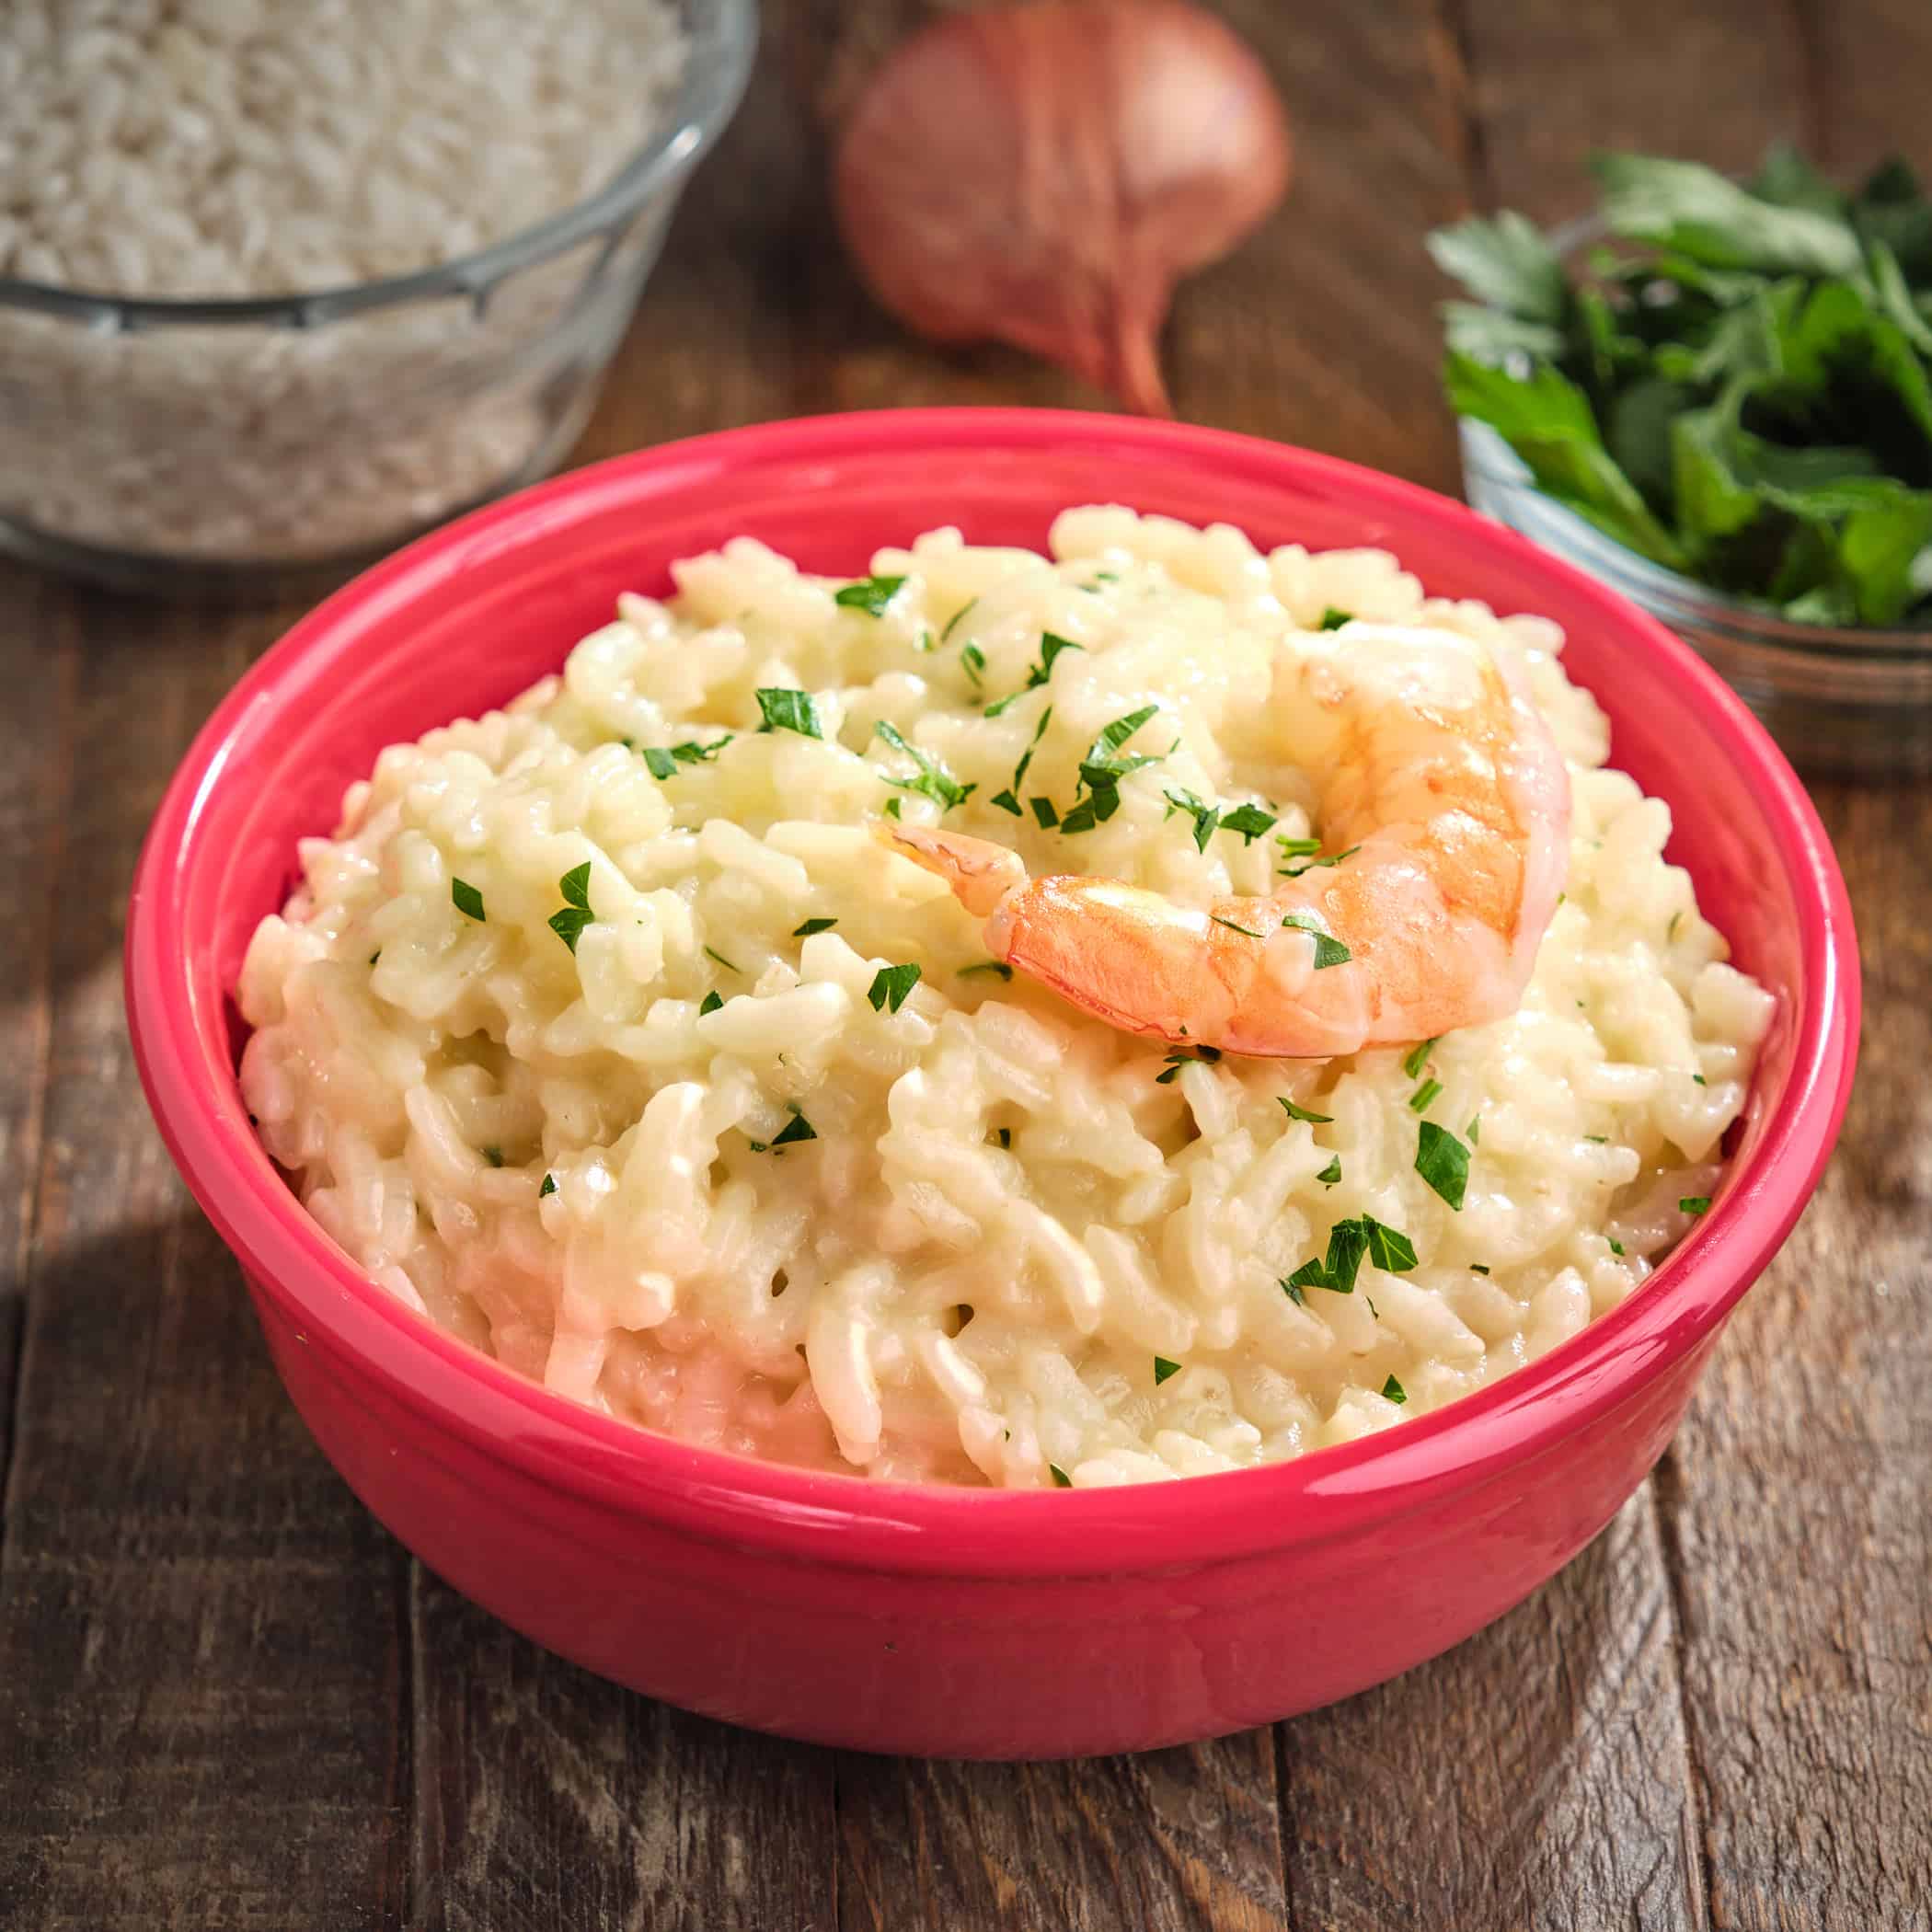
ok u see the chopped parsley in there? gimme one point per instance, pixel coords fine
(1698, 1080)
(813, 926)
(549, 1187)
(375, 955)
(974, 661)
(1249, 820)
(1044, 811)
(1392, 1391)
(1331, 1173)
(1352, 1242)
(1163, 1368)
(1694, 1204)
(1478, 1267)
(892, 808)
(1296, 1112)
(1314, 864)
(1007, 802)
(788, 710)
(494, 1156)
(891, 984)
(568, 921)
(934, 782)
(1050, 648)
(719, 956)
(1207, 818)
(1423, 1094)
(1026, 757)
(794, 1129)
(709, 1003)
(998, 967)
(1062, 1481)
(1179, 1058)
(1246, 932)
(1598, 1140)
(952, 623)
(1475, 1130)
(468, 900)
(1102, 769)
(1418, 1056)
(662, 761)
(1333, 619)
(1292, 1285)
(1443, 1162)
(870, 594)
(1328, 951)
(1617, 1246)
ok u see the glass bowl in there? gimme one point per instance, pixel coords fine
(1847, 703)
(253, 447)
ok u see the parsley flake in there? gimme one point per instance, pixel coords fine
(1328, 951)
(1418, 1057)
(1207, 818)
(709, 1003)
(813, 926)
(1062, 1481)
(934, 782)
(1044, 811)
(1694, 1204)
(1617, 1246)
(1050, 648)
(870, 594)
(1392, 1391)
(1333, 619)
(1005, 802)
(891, 984)
(1331, 1173)
(974, 661)
(549, 1187)
(1318, 864)
(1163, 1368)
(662, 761)
(468, 900)
(998, 967)
(788, 708)
(1443, 1162)
(1102, 769)
(794, 1129)
(1249, 820)
(568, 921)
(719, 956)
(1424, 1095)
(1246, 932)
(1297, 1112)
(952, 623)
(494, 1156)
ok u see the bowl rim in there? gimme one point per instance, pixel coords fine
(849, 1520)
(706, 97)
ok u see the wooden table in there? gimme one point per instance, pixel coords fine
(228, 1699)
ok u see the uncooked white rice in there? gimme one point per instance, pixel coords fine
(1007, 1229)
(223, 148)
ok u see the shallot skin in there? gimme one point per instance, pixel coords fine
(1045, 173)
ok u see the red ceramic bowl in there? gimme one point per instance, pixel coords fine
(972, 1623)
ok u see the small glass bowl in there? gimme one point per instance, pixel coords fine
(251, 447)
(1851, 703)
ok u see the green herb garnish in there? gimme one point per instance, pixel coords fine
(952, 623)
(569, 922)
(1005, 801)
(891, 984)
(1392, 1391)
(1743, 392)
(1207, 818)
(998, 967)
(549, 1187)
(1617, 1246)
(1313, 864)
(468, 900)
(1245, 931)
(1292, 1285)
(1062, 1481)
(1424, 1095)
(934, 782)
(1163, 1368)
(1417, 1058)
(813, 926)
(1249, 820)
(1331, 1173)
(722, 960)
(974, 661)
(1351, 1242)
(1050, 648)
(794, 1129)
(870, 594)
(709, 1003)
(662, 761)
(1443, 1161)
(1102, 769)
(1333, 619)
(787, 709)
(1045, 813)
(1296, 1112)
(494, 1156)
(1328, 951)
(1694, 1204)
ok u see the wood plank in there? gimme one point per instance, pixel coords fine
(1534, 1776)
(1169, 1840)
(1797, 1506)
(1868, 96)
(198, 1631)
(37, 668)
(552, 1801)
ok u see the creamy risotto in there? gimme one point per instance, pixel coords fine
(606, 1034)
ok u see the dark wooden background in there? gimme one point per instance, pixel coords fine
(228, 1699)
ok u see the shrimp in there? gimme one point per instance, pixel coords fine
(1441, 784)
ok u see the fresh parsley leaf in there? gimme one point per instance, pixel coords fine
(1443, 1162)
(468, 900)
(709, 1003)
(1392, 1391)
(1617, 1246)
(719, 956)
(787, 709)
(569, 921)
(870, 594)
(1005, 801)
(575, 885)
(794, 1129)
(1163, 1368)
(974, 661)
(1246, 932)
(1102, 769)
(1424, 1095)
(952, 623)
(1505, 263)
(1249, 820)
(1417, 1058)
(549, 1187)
(494, 1156)
(1333, 619)
(1051, 647)
(659, 762)
(1328, 951)
(892, 808)
(1388, 1247)
(1207, 818)
(1043, 810)
(934, 782)
(1331, 1173)
(1297, 848)
(1296, 872)
(891, 984)
(813, 926)
(1310, 1274)
(1296, 1112)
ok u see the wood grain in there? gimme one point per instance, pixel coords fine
(199, 1644)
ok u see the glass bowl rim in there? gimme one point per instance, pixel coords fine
(706, 97)
(1678, 600)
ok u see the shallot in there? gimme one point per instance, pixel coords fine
(1044, 175)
